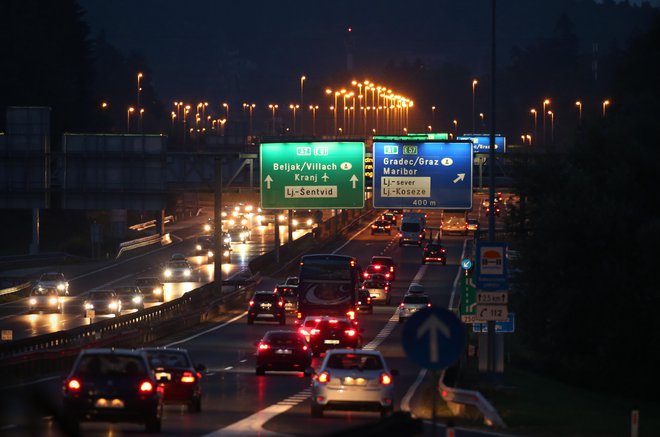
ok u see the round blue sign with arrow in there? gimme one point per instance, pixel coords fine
(434, 338)
(466, 264)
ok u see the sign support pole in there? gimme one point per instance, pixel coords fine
(290, 227)
(276, 249)
(217, 224)
(434, 414)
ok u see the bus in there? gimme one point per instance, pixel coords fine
(328, 286)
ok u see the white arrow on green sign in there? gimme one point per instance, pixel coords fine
(313, 175)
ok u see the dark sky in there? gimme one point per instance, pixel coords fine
(206, 48)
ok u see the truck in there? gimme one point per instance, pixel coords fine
(454, 222)
(413, 228)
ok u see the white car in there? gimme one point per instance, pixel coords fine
(54, 280)
(45, 299)
(353, 379)
(177, 271)
(412, 302)
(102, 302)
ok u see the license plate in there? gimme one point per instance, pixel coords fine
(354, 381)
(109, 403)
(265, 305)
(165, 375)
(283, 352)
(331, 342)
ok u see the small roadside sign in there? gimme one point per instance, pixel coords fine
(489, 313)
(90, 314)
(433, 338)
(492, 266)
(466, 264)
(506, 326)
(492, 297)
(468, 305)
(7, 335)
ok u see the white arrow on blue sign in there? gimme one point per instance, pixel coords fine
(434, 338)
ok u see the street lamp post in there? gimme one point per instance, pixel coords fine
(140, 119)
(226, 105)
(128, 119)
(455, 127)
(293, 108)
(535, 114)
(481, 120)
(313, 108)
(300, 105)
(545, 103)
(251, 107)
(474, 116)
(273, 108)
(579, 105)
(139, 76)
(552, 127)
(605, 104)
(432, 115)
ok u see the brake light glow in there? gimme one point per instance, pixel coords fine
(366, 275)
(305, 348)
(74, 385)
(401, 305)
(350, 332)
(280, 303)
(428, 305)
(187, 378)
(304, 332)
(323, 378)
(421, 235)
(332, 321)
(351, 315)
(263, 346)
(314, 331)
(385, 379)
(377, 266)
(146, 387)
(251, 303)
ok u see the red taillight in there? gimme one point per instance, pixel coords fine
(251, 303)
(387, 287)
(368, 300)
(351, 315)
(146, 387)
(387, 276)
(333, 321)
(366, 275)
(421, 235)
(280, 303)
(264, 346)
(314, 331)
(377, 266)
(401, 305)
(350, 332)
(187, 377)
(399, 235)
(74, 385)
(385, 379)
(391, 268)
(428, 305)
(323, 377)
(373, 226)
(305, 348)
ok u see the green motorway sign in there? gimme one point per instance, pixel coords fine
(468, 304)
(314, 175)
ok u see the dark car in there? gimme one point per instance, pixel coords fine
(130, 297)
(386, 261)
(434, 253)
(389, 217)
(112, 385)
(365, 303)
(334, 333)
(205, 246)
(381, 227)
(151, 288)
(290, 295)
(266, 305)
(181, 380)
(377, 269)
(283, 350)
(473, 225)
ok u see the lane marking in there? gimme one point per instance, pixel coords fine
(199, 334)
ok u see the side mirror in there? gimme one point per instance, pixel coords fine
(394, 372)
(200, 368)
(309, 371)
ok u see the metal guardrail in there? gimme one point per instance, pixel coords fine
(16, 288)
(142, 242)
(150, 223)
(473, 398)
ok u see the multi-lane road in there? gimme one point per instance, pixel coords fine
(237, 402)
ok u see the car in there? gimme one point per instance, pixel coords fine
(177, 271)
(411, 303)
(498, 197)
(292, 280)
(389, 217)
(209, 226)
(303, 219)
(473, 225)
(434, 253)
(307, 325)
(175, 372)
(376, 269)
(334, 332)
(54, 280)
(497, 210)
(112, 385)
(416, 287)
(266, 305)
(386, 261)
(47, 299)
(365, 303)
(381, 227)
(177, 257)
(151, 288)
(378, 290)
(454, 224)
(240, 233)
(282, 350)
(130, 297)
(353, 379)
(205, 246)
(102, 302)
(290, 295)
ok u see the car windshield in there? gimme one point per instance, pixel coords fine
(51, 277)
(100, 295)
(43, 292)
(111, 365)
(168, 359)
(410, 227)
(147, 281)
(354, 361)
(126, 290)
(292, 281)
(284, 338)
(178, 265)
(289, 292)
(415, 299)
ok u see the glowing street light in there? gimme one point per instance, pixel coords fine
(455, 126)
(273, 108)
(104, 105)
(552, 127)
(128, 119)
(432, 115)
(139, 76)
(251, 108)
(545, 103)
(226, 106)
(579, 105)
(140, 119)
(605, 104)
(535, 114)
(313, 108)
(293, 108)
(474, 85)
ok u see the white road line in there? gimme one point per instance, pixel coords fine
(252, 425)
(199, 334)
(405, 401)
(458, 275)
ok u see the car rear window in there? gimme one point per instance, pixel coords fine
(168, 359)
(381, 260)
(410, 227)
(111, 365)
(374, 284)
(265, 297)
(415, 299)
(284, 338)
(354, 361)
(325, 325)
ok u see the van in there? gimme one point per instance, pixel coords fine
(413, 228)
